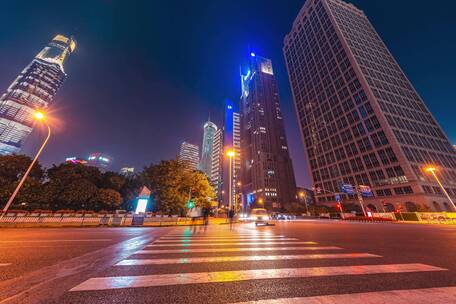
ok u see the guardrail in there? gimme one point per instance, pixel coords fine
(86, 220)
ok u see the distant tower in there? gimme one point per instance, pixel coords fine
(206, 151)
(217, 164)
(33, 89)
(127, 172)
(189, 154)
(267, 172)
(100, 160)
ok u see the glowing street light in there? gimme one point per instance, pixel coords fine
(302, 196)
(230, 153)
(39, 116)
(261, 201)
(432, 170)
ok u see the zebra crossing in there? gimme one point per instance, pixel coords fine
(232, 249)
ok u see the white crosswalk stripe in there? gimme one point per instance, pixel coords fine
(221, 240)
(245, 249)
(246, 258)
(104, 283)
(415, 296)
(253, 247)
(222, 237)
(239, 244)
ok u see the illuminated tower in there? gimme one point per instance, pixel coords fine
(189, 154)
(227, 138)
(362, 121)
(267, 171)
(33, 89)
(231, 141)
(206, 152)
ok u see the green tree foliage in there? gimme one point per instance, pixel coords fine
(172, 184)
(65, 186)
(12, 168)
(105, 199)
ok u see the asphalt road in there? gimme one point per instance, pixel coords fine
(291, 262)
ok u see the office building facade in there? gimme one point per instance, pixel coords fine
(189, 154)
(128, 172)
(231, 141)
(100, 160)
(225, 139)
(267, 171)
(216, 179)
(362, 122)
(205, 164)
(34, 89)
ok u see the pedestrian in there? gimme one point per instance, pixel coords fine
(206, 212)
(231, 217)
(194, 213)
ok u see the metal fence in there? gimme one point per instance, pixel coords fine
(85, 220)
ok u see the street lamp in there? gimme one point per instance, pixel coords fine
(39, 116)
(261, 201)
(432, 170)
(230, 154)
(302, 196)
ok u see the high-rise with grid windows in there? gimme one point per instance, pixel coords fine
(267, 171)
(362, 122)
(189, 155)
(32, 90)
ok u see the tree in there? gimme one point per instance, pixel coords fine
(112, 180)
(173, 184)
(12, 168)
(129, 191)
(71, 186)
(105, 199)
(75, 195)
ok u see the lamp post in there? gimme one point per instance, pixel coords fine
(432, 170)
(261, 201)
(230, 154)
(39, 116)
(303, 196)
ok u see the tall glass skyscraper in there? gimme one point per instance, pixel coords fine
(33, 89)
(267, 171)
(362, 121)
(227, 138)
(205, 164)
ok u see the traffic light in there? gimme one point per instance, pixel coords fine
(190, 204)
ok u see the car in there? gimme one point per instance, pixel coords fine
(285, 216)
(259, 216)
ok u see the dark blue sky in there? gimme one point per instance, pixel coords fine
(147, 73)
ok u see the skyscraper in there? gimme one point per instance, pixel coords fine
(217, 164)
(225, 139)
(33, 89)
(267, 171)
(127, 172)
(189, 154)
(205, 164)
(362, 122)
(100, 160)
(231, 141)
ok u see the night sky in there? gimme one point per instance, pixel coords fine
(146, 74)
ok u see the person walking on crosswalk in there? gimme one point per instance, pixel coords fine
(231, 217)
